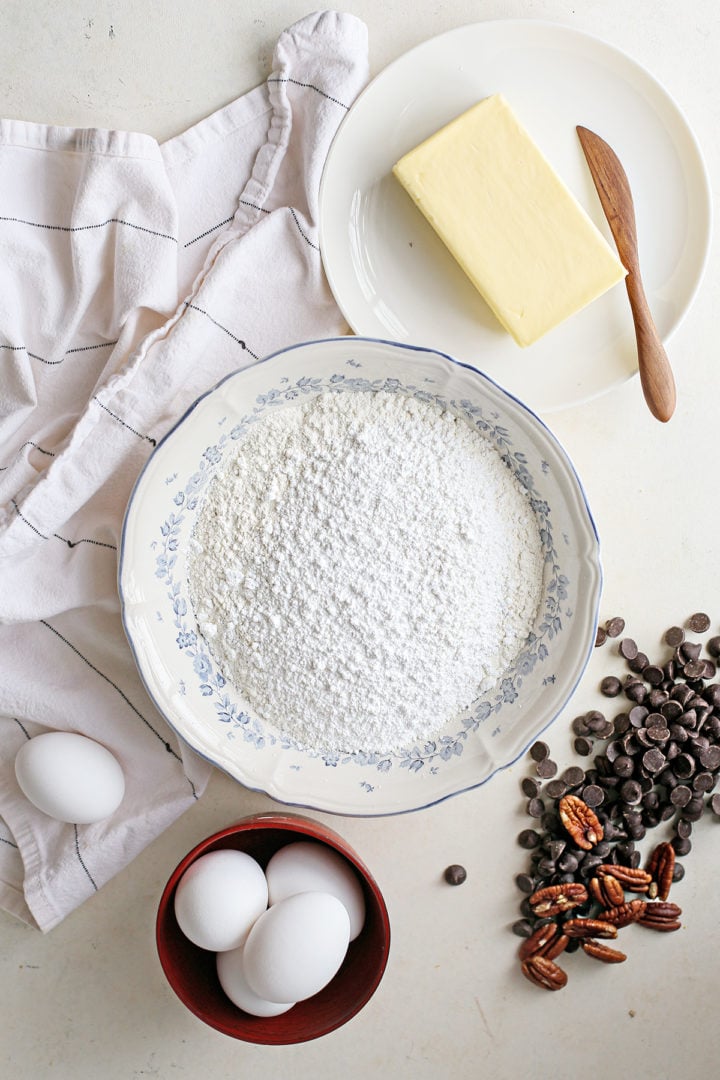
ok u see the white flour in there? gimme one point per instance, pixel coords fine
(362, 567)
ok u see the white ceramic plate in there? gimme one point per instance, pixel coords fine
(392, 276)
(212, 716)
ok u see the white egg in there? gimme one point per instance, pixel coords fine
(297, 946)
(70, 777)
(309, 867)
(218, 899)
(231, 973)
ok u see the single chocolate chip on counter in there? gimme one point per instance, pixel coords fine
(536, 807)
(539, 751)
(546, 768)
(674, 636)
(614, 627)
(583, 746)
(610, 686)
(528, 839)
(455, 874)
(522, 928)
(699, 622)
(714, 804)
(524, 881)
(628, 648)
(600, 637)
(530, 786)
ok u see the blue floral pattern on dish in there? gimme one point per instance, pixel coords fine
(177, 527)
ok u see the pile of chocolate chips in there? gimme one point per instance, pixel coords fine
(658, 763)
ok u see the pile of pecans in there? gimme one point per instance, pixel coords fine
(659, 762)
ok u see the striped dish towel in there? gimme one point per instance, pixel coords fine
(133, 276)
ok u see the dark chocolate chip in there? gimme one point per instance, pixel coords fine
(674, 636)
(628, 648)
(636, 692)
(689, 650)
(699, 622)
(593, 795)
(536, 807)
(680, 795)
(709, 757)
(653, 760)
(630, 792)
(623, 766)
(682, 846)
(528, 838)
(546, 768)
(653, 674)
(579, 725)
(610, 686)
(523, 928)
(614, 627)
(530, 786)
(714, 805)
(555, 789)
(539, 751)
(583, 746)
(573, 776)
(455, 874)
(713, 647)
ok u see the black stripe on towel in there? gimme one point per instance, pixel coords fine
(56, 536)
(310, 86)
(220, 326)
(54, 363)
(122, 694)
(87, 228)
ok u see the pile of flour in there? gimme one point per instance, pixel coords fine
(362, 568)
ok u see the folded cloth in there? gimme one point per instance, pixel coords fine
(133, 277)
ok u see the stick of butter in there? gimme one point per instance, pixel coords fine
(509, 220)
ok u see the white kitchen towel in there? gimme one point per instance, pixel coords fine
(133, 277)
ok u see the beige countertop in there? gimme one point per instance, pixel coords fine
(89, 999)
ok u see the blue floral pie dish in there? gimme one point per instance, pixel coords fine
(212, 716)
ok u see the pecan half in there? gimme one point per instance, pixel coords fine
(607, 891)
(554, 899)
(544, 972)
(661, 915)
(548, 941)
(602, 952)
(580, 821)
(660, 867)
(624, 914)
(589, 928)
(632, 878)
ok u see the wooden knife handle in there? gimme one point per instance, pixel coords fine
(656, 377)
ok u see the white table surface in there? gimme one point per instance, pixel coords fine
(89, 999)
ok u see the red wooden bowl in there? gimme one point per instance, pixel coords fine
(191, 971)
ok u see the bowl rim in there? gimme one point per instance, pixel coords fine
(302, 826)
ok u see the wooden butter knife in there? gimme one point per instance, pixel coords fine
(613, 187)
